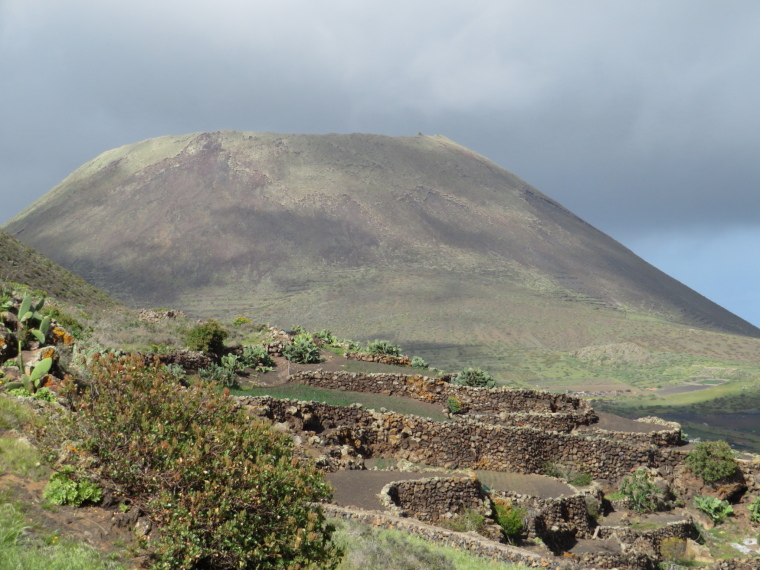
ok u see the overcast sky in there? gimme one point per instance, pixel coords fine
(642, 117)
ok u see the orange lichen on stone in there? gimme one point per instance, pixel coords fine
(60, 336)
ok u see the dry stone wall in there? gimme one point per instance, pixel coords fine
(466, 443)
(544, 515)
(662, 438)
(187, 359)
(480, 546)
(434, 498)
(556, 412)
(649, 541)
(380, 358)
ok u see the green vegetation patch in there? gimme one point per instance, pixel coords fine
(228, 473)
(18, 549)
(369, 547)
(343, 398)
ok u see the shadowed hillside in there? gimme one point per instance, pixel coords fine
(415, 237)
(21, 264)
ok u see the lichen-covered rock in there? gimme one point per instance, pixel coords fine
(32, 358)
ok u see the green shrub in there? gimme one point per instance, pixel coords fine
(302, 350)
(510, 519)
(207, 337)
(44, 394)
(754, 510)
(474, 377)
(712, 461)
(581, 480)
(640, 491)
(68, 322)
(219, 375)
(454, 405)
(713, 507)
(160, 348)
(326, 337)
(232, 362)
(568, 473)
(298, 329)
(673, 549)
(64, 488)
(224, 488)
(175, 371)
(468, 520)
(256, 356)
(240, 321)
(417, 362)
(383, 347)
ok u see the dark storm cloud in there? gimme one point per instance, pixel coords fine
(640, 116)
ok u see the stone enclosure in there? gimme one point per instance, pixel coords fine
(519, 431)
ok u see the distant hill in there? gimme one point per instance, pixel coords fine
(416, 238)
(19, 263)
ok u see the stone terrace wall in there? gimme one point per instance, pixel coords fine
(494, 402)
(751, 473)
(435, 497)
(662, 438)
(561, 421)
(649, 541)
(380, 358)
(465, 443)
(487, 548)
(546, 514)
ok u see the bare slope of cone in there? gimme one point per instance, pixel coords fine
(416, 237)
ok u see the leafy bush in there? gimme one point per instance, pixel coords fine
(64, 489)
(326, 336)
(44, 394)
(298, 329)
(77, 329)
(232, 362)
(581, 480)
(673, 549)
(383, 347)
(468, 520)
(754, 510)
(640, 491)
(417, 362)
(713, 507)
(220, 375)
(175, 371)
(302, 350)
(256, 356)
(474, 377)
(454, 405)
(712, 461)
(225, 490)
(207, 337)
(510, 519)
(240, 321)
(160, 348)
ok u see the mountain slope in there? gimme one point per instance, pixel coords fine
(367, 234)
(19, 263)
